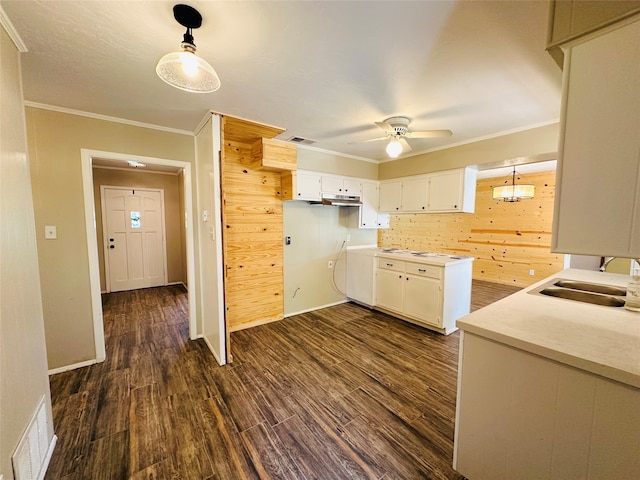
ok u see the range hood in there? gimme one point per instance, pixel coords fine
(341, 200)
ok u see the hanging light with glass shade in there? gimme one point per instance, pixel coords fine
(184, 69)
(513, 192)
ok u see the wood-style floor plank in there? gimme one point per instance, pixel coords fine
(339, 393)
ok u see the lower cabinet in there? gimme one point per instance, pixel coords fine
(430, 295)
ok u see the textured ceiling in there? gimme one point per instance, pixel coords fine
(324, 70)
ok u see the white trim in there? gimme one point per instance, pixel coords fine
(287, 315)
(105, 243)
(47, 458)
(87, 156)
(136, 170)
(8, 26)
(74, 366)
(172, 284)
(473, 140)
(212, 350)
(108, 118)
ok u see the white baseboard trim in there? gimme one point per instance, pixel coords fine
(210, 347)
(291, 314)
(47, 458)
(66, 368)
(171, 284)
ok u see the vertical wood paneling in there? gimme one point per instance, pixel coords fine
(252, 229)
(507, 240)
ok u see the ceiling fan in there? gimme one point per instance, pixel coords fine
(397, 132)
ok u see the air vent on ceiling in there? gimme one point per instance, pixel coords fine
(304, 141)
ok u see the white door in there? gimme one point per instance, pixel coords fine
(133, 232)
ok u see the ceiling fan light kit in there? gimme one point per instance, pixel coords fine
(184, 69)
(397, 132)
(513, 192)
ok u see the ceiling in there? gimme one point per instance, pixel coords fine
(324, 70)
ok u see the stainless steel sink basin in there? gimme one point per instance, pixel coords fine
(586, 292)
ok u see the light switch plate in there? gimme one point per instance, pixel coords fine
(50, 232)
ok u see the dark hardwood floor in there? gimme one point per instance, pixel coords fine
(340, 393)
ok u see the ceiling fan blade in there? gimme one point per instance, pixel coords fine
(405, 145)
(386, 127)
(429, 134)
(372, 139)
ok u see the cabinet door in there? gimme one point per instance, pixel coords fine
(389, 289)
(414, 195)
(445, 191)
(351, 186)
(422, 299)
(597, 209)
(369, 208)
(384, 220)
(332, 184)
(308, 186)
(390, 194)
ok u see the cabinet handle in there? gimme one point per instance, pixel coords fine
(455, 206)
(389, 264)
(422, 270)
(407, 279)
(423, 208)
(397, 208)
(399, 276)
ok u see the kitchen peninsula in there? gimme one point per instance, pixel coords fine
(549, 388)
(429, 289)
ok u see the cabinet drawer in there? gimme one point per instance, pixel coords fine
(424, 270)
(390, 264)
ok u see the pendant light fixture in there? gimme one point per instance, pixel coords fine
(184, 69)
(394, 148)
(513, 192)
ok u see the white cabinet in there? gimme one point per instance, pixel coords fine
(367, 215)
(308, 186)
(414, 194)
(440, 192)
(522, 416)
(452, 191)
(390, 196)
(340, 185)
(389, 289)
(434, 296)
(422, 296)
(597, 209)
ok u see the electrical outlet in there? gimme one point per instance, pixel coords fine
(330, 264)
(532, 272)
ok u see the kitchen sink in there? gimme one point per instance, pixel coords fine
(586, 292)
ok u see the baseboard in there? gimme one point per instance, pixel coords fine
(346, 300)
(47, 459)
(171, 284)
(210, 347)
(72, 367)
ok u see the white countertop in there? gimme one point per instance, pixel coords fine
(599, 339)
(429, 258)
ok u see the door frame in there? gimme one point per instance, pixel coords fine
(107, 278)
(87, 157)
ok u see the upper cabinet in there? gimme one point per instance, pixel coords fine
(597, 209)
(308, 186)
(440, 192)
(453, 191)
(340, 185)
(571, 19)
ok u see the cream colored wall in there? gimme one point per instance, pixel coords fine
(528, 143)
(23, 363)
(317, 234)
(173, 213)
(335, 164)
(55, 140)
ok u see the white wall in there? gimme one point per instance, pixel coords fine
(318, 234)
(23, 363)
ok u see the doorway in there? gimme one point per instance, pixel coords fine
(134, 237)
(87, 159)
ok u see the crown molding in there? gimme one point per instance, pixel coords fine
(6, 23)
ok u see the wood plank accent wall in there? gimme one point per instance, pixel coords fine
(252, 229)
(506, 239)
